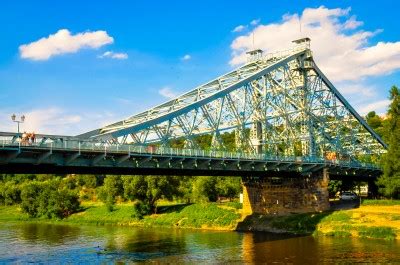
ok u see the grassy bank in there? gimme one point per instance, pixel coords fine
(379, 220)
(204, 216)
(373, 219)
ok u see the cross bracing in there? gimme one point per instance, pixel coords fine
(279, 104)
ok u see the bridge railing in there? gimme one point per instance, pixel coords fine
(91, 146)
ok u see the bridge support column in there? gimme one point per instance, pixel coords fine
(281, 196)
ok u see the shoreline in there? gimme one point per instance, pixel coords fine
(367, 221)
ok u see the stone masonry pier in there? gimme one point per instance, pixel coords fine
(282, 196)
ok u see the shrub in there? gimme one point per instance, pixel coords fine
(140, 209)
(10, 193)
(48, 199)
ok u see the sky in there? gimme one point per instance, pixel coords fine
(74, 66)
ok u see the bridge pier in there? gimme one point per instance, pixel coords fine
(281, 196)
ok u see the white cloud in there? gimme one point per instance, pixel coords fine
(352, 23)
(255, 22)
(239, 28)
(167, 92)
(357, 89)
(341, 54)
(378, 106)
(186, 57)
(63, 42)
(57, 121)
(50, 120)
(114, 55)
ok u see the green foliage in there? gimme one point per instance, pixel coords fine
(389, 183)
(10, 193)
(337, 217)
(149, 189)
(235, 205)
(140, 209)
(381, 202)
(338, 233)
(47, 199)
(334, 186)
(89, 181)
(204, 189)
(378, 232)
(228, 187)
(298, 223)
(375, 121)
(196, 216)
(112, 188)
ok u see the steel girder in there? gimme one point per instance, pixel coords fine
(280, 104)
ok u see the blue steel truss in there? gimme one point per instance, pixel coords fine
(280, 104)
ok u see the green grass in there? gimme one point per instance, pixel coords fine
(338, 233)
(235, 205)
(381, 202)
(208, 215)
(337, 217)
(195, 216)
(298, 223)
(12, 213)
(381, 232)
(122, 214)
(395, 217)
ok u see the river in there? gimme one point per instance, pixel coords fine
(23, 243)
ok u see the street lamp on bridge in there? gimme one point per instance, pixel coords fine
(13, 117)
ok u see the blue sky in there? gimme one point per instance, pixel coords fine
(165, 48)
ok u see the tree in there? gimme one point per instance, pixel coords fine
(10, 193)
(149, 189)
(110, 190)
(229, 187)
(205, 189)
(389, 183)
(48, 199)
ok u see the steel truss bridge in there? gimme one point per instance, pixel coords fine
(276, 113)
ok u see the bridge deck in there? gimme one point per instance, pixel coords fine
(73, 156)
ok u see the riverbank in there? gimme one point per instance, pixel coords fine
(211, 216)
(373, 219)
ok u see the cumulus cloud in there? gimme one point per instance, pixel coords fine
(186, 57)
(58, 121)
(358, 89)
(46, 120)
(167, 92)
(341, 49)
(352, 23)
(239, 28)
(114, 55)
(63, 42)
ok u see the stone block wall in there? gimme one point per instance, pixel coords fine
(281, 196)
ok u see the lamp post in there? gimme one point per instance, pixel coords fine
(13, 117)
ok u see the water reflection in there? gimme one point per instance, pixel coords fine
(48, 233)
(45, 243)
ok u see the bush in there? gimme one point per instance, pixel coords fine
(48, 199)
(10, 193)
(140, 209)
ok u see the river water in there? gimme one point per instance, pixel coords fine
(23, 243)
